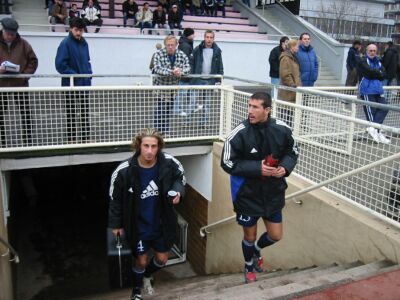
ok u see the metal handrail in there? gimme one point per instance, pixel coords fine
(204, 231)
(318, 92)
(316, 34)
(9, 249)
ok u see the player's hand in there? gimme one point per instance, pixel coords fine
(118, 230)
(267, 171)
(176, 199)
(2, 69)
(279, 172)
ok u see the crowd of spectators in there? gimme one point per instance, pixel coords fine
(59, 13)
(296, 63)
(168, 15)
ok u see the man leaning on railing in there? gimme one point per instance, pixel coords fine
(16, 57)
(170, 64)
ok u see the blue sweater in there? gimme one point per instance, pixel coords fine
(73, 58)
(308, 65)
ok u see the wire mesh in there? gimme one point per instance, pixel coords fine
(391, 94)
(78, 116)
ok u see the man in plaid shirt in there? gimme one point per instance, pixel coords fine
(170, 64)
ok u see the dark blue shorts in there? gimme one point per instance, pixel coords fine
(157, 244)
(248, 221)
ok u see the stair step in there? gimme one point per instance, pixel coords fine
(217, 283)
(240, 291)
(314, 283)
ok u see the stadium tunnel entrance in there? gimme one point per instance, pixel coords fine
(58, 226)
(56, 210)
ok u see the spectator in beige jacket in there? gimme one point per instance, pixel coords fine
(289, 75)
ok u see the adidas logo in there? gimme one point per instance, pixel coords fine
(151, 190)
(254, 150)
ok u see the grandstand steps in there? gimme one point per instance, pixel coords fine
(276, 21)
(30, 12)
(285, 284)
(325, 76)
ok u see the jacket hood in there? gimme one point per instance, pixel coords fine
(288, 54)
(184, 40)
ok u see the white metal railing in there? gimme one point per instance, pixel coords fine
(334, 143)
(204, 230)
(73, 117)
(333, 140)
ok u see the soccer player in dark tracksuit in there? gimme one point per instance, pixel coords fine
(139, 206)
(258, 154)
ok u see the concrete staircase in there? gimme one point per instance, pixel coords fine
(270, 285)
(326, 77)
(276, 21)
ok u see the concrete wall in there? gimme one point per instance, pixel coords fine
(6, 292)
(198, 171)
(112, 54)
(323, 230)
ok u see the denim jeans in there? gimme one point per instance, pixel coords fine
(162, 115)
(126, 17)
(185, 100)
(274, 80)
(204, 97)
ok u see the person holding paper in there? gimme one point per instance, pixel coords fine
(17, 53)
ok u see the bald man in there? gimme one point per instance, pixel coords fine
(372, 73)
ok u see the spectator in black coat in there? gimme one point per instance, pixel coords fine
(390, 61)
(129, 9)
(174, 18)
(160, 18)
(274, 60)
(351, 63)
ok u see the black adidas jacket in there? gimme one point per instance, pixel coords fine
(125, 190)
(242, 156)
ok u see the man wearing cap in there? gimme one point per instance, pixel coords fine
(73, 58)
(18, 52)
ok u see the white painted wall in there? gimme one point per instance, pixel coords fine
(198, 171)
(131, 55)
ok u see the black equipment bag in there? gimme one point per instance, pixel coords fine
(119, 261)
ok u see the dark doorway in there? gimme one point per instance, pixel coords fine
(58, 225)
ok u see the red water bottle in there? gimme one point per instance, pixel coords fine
(271, 161)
